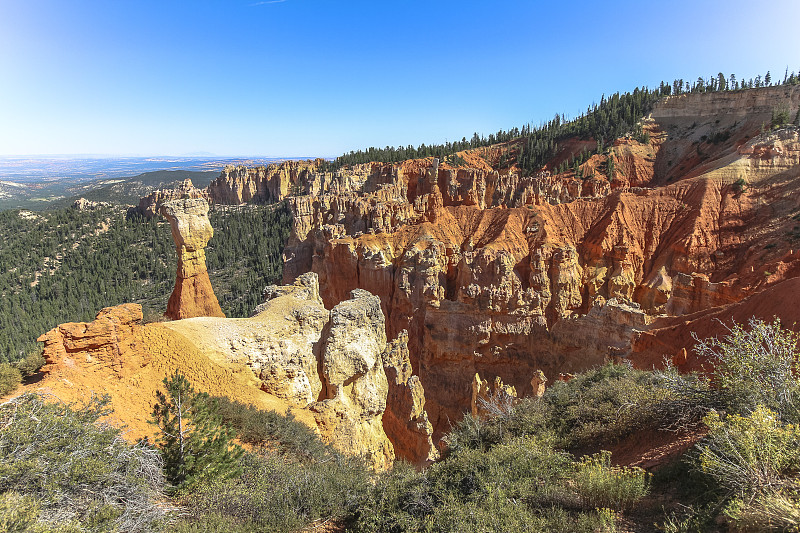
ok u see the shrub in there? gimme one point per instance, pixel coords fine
(522, 484)
(278, 433)
(601, 405)
(10, 378)
(682, 400)
(21, 514)
(602, 485)
(31, 363)
(773, 511)
(749, 454)
(274, 494)
(70, 469)
(755, 366)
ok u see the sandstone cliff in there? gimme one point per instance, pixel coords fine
(238, 185)
(326, 367)
(505, 276)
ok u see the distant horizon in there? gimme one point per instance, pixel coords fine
(155, 156)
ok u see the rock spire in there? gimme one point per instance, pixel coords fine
(191, 230)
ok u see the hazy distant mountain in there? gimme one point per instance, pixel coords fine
(129, 190)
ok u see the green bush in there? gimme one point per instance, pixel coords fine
(71, 469)
(772, 511)
(746, 454)
(278, 433)
(756, 366)
(10, 378)
(31, 363)
(596, 407)
(20, 514)
(602, 485)
(602, 405)
(522, 484)
(274, 494)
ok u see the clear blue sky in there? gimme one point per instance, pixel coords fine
(321, 77)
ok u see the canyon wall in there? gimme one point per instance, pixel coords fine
(506, 276)
(436, 281)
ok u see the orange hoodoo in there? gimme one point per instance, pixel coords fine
(191, 230)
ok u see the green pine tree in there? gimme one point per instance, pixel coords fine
(194, 442)
(610, 168)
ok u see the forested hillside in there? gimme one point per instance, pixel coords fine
(613, 117)
(65, 265)
(130, 190)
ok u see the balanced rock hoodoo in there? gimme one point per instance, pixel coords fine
(191, 231)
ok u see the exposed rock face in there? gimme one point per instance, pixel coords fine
(405, 419)
(355, 387)
(102, 343)
(191, 231)
(511, 276)
(329, 368)
(506, 275)
(82, 204)
(150, 205)
(238, 185)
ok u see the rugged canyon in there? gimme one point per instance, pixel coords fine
(410, 287)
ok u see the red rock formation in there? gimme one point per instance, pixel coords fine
(103, 343)
(507, 275)
(191, 231)
(405, 420)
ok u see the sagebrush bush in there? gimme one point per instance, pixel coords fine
(10, 378)
(77, 470)
(268, 429)
(749, 454)
(757, 365)
(771, 511)
(602, 485)
(274, 494)
(520, 484)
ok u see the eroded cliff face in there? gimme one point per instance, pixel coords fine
(328, 368)
(506, 276)
(274, 182)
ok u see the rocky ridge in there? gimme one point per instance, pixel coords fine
(506, 275)
(328, 368)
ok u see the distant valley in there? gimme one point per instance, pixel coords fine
(46, 182)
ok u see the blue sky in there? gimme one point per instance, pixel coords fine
(321, 77)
